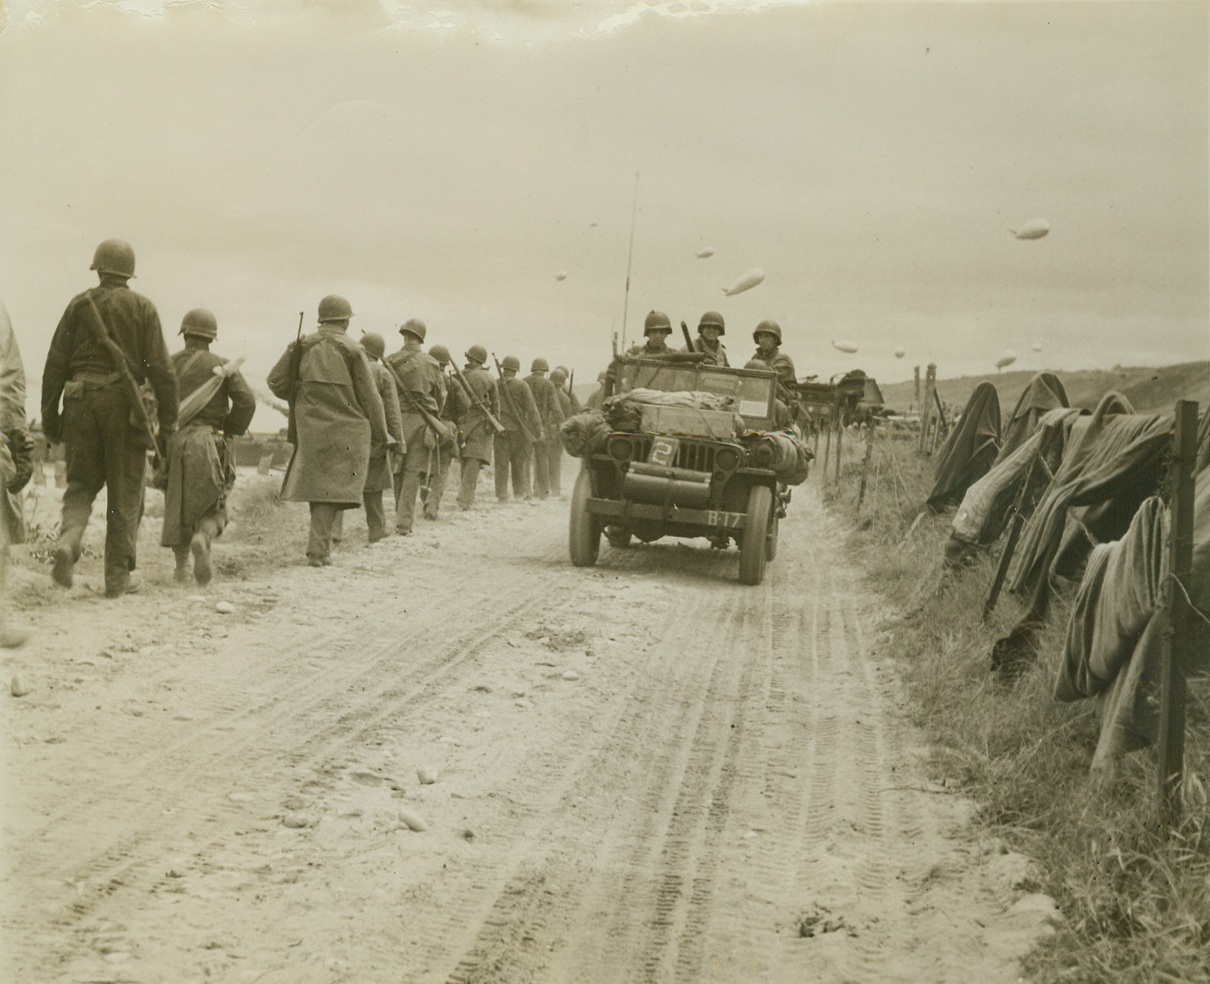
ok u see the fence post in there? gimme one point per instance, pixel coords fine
(926, 405)
(839, 441)
(865, 465)
(1175, 656)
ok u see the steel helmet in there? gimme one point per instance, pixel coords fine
(374, 344)
(511, 362)
(772, 327)
(558, 374)
(114, 256)
(476, 353)
(334, 308)
(539, 365)
(656, 321)
(712, 319)
(441, 354)
(199, 322)
(414, 326)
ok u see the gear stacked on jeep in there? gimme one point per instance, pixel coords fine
(686, 450)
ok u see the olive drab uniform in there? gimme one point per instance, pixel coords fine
(200, 457)
(16, 464)
(381, 475)
(554, 443)
(447, 450)
(547, 404)
(522, 426)
(475, 430)
(419, 384)
(104, 431)
(339, 418)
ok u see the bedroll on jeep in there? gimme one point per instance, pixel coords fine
(684, 449)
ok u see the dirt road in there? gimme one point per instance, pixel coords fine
(643, 772)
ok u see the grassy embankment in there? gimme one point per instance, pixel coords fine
(1135, 908)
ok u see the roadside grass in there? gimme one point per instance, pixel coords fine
(1136, 907)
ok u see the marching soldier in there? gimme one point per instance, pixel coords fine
(338, 420)
(421, 390)
(656, 328)
(522, 427)
(380, 476)
(216, 406)
(16, 465)
(482, 406)
(565, 375)
(452, 413)
(108, 343)
(550, 415)
(554, 444)
(709, 330)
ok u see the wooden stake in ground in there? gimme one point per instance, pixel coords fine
(865, 465)
(926, 406)
(839, 437)
(1176, 652)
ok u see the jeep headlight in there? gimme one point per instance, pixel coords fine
(620, 449)
(727, 459)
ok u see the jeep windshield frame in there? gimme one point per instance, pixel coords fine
(752, 390)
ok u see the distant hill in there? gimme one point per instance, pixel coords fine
(1148, 390)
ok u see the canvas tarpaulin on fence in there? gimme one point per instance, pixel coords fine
(1116, 631)
(969, 450)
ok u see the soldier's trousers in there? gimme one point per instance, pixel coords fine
(103, 450)
(554, 464)
(442, 457)
(376, 518)
(468, 481)
(319, 540)
(408, 482)
(512, 452)
(540, 469)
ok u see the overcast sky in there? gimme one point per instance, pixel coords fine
(446, 161)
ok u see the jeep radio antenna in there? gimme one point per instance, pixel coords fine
(634, 210)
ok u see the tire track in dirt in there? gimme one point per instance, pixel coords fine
(650, 879)
(323, 705)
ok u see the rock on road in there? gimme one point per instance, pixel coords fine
(641, 771)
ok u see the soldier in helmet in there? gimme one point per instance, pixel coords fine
(452, 414)
(597, 397)
(552, 419)
(107, 337)
(482, 398)
(522, 427)
(421, 390)
(709, 330)
(338, 418)
(767, 336)
(216, 406)
(567, 407)
(656, 328)
(380, 476)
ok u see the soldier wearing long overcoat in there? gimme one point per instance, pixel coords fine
(338, 417)
(200, 457)
(522, 427)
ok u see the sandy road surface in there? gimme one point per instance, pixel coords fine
(644, 772)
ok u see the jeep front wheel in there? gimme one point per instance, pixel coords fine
(584, 530)
(753, 545)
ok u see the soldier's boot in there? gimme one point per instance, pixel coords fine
(376, 520)
(199, 546)
(182, 572)
(130, 584)
(63, 564)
